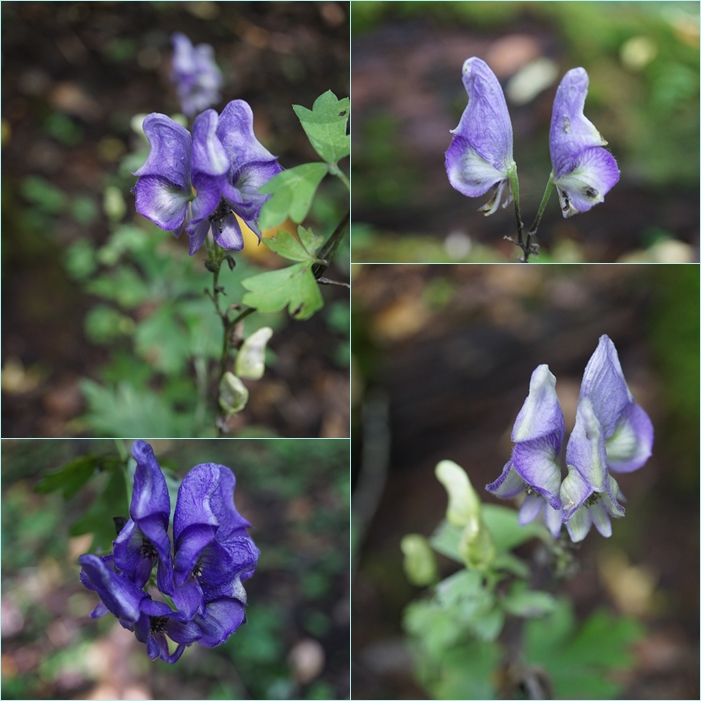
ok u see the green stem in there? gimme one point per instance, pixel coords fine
(546, 196)
(342, 177)
(328, 250)
(513, 179)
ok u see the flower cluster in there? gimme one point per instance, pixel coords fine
(212, 556)
(205, 179)
(195, 75)
(481, 153)
(611, 433)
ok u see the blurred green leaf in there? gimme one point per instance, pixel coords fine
(162, 340)
(292, 194)
(104, 324)
(84, 210)
(97, 520)
(294, 287)
(62, 128)
(131, 412)
(80, 259)
(45, 196)
(70, 477)
(326, 124)
(124, 285)
(527, 603)
(579, 661)
(502, 523)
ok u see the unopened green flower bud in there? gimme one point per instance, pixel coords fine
(250, 361)
(233, 394)
(464, 509)
(419, 561)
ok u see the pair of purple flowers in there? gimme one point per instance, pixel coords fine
(204, 180)
(611, 433)
(213, 556)
(481, 154)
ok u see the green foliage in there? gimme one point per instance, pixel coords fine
(292, 193)
(454, 631)
(581, 660)
(295, 287)
(71, 477)
(47, 198)
(126, 410)
(112, 501)
(326, 125)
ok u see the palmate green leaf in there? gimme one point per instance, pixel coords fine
(502, 523)
(287, 246)
(580, 661)
(294, 287)
(127, 411)
(292, 194)
(326, 125)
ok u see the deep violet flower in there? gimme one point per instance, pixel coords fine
(195, 75)
(583, 170)
(611, 432)
(533, 468)
(481, 154)
(201, 181)
(213, 552)
(144, 540)
(214, 555)
(150, 620)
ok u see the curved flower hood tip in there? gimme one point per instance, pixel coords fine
(583, 170)
(481, 153)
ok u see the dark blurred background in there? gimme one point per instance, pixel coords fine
(643, 64)
(442, 359)
(296, 642)
(74, 76)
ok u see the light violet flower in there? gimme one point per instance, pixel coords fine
(222, 162)
(534, 468)
(583, 171)
(481, 154)
(195, 75)
(611, 432)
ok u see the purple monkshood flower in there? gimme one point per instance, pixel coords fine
(533, 467)
(144, 540)
(213, 552)
(214, 555)
(195, 75)
(481, 154)
(611, 432)
(201, 181)
(583, 171)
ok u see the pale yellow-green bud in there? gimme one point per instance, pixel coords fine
(419, 561)
(233, 394)
(250, 361)
(464, 509)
